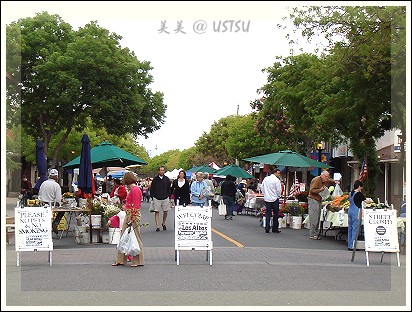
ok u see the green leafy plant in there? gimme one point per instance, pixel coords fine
(295, 209)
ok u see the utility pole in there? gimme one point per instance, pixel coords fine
(237, 114)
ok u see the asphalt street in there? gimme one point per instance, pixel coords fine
(251, 270)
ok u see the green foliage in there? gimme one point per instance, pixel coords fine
(70, 76)
(214, 142)
(186, 158)
(167, 159)
(243, 140)
(294, 100)
(13, 148)
(356, 74)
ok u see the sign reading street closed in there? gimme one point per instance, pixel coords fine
(380, 227)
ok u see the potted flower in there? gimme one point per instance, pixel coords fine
(97, 210)
(68, 199)
(296, 211)
(110, 210)
(96, 206)
(68, 195)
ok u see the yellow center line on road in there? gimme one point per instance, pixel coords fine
(228, 238)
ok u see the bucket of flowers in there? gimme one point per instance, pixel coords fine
(296, 214)
(96, 206)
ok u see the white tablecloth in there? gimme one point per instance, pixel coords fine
(340, 219)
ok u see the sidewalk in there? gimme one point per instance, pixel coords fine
(238, 277)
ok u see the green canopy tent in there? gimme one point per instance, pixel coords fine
(107, 155)
(193, 169)
(234, 171)
(288, 159)
(204, 168)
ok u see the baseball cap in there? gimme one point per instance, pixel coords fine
(53, 172)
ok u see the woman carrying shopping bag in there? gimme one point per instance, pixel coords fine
(132, 209)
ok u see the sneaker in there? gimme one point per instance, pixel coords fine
(157, 230)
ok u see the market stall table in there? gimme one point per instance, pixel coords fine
(338, 220)
(71, 211)
(253, 202)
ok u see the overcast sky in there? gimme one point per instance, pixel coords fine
(206, 72)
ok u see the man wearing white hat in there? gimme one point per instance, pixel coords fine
(50, 192)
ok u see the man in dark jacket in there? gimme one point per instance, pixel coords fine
(228, 192)
(160, 192)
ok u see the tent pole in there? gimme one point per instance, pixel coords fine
(287, 182)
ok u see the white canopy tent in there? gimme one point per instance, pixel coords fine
(173, 174)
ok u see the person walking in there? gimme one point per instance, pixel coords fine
(50, 193)
(133, 216)
(211, 188)
(181, 189)
(199, 190)
(228, 193)
(160, 192)
(356, 198)
(272, 190)
(317, 185)
(26, 189)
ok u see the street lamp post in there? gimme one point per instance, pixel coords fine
(321, 147)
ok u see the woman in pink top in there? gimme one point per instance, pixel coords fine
(132, 209)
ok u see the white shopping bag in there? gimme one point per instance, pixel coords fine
(222, 208)
(128, 243)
